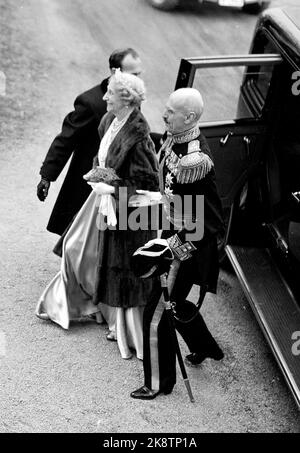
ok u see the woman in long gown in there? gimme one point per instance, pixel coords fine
(95, 275)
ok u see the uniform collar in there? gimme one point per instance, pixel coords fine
(187, 136)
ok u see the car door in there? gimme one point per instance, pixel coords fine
(235, 91)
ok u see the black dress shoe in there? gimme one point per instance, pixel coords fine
(144, 393)
(167, 390)
(195, 358)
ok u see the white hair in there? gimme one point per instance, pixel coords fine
(130, 87)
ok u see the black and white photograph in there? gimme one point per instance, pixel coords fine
(150, 219)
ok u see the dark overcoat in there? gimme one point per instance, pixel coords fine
(133, 157)
(79, 135)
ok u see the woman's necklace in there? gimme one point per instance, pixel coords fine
(117, 124)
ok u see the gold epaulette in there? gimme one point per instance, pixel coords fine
(194, 166)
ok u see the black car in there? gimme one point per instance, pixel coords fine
(252, 123)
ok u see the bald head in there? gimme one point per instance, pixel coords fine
(183, 110)
(188, 100)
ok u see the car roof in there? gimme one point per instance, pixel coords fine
(284, 26)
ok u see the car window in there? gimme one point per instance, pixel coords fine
(263, 79)
(232, 93)
(258, 79)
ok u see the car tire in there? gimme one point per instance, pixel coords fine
(165, 5)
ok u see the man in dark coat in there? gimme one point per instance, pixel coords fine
(187, 179)
(79, 136)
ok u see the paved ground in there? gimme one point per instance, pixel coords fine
(75, 381)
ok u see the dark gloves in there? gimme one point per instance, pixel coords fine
(42, 189)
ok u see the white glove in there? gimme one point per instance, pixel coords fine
(145, 198)
(154, 196)
(158, 241)
(101, 188)
(162, 243)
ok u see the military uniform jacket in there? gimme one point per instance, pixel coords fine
(186, 172)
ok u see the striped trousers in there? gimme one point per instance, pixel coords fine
(159, 354)
(159, 357)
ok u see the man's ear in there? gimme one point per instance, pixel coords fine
(190, 118)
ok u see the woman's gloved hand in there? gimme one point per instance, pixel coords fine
(101, 188)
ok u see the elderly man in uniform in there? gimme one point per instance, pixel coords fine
(79, 136)
(186, 170)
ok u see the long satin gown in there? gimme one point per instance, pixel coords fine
(68, 297)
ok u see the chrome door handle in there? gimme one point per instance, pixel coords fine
(224, 140)
(247, 142)
(296, 196)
